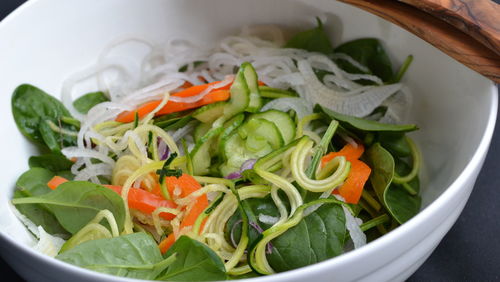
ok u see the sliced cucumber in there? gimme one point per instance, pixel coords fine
(201, 155)
(283, 122)
(229, 127)
(259, 132)
(237, 154)
(240, 97)
(201, 130)
(255, 102)
(269, 92)
(210, 112)
(253, 139)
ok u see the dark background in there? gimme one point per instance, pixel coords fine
(469, 252)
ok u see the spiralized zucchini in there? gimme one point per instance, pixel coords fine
(298, 159)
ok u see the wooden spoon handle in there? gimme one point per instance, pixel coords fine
(478, 18)
(444, 36)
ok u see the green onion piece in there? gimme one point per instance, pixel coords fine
(321, 148)
(402, 70)
(374, 222)
(371, 200)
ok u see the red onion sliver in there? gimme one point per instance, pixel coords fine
(233, 175)
(248, 164)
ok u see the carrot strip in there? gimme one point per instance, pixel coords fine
(212, 97)
(218, 94)
(56, 181)
(352, 188)
(182, 187)
(166, 243)
(348, 151)
(145, 201)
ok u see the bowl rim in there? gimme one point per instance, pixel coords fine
(346, 258)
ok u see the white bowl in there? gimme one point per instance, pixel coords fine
(44, 41)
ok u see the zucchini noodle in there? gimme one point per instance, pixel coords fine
(111, 221)
(293, 195)
(153, 166)
(279, 204)
(151, 114)
(297, 163)
(417, 160)
(303, 123)
(156, 217)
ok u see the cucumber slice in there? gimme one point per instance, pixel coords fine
(255, 102)
(240, 97)
(200, 154)
(210, 112)
(252, 140)
(260, 131)
(229, 127)
(201, 130)
(269, 92)
(237, 154)
(283, 122)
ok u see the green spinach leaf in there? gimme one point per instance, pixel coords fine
(134, 256)
(319, 236)
(395, 143)
(400, 204)
(53, 162)
(195, 262)
(84, 103)
(75, 203)
(313, 40)
(370, 53)
(34, 183)
(364, 124)
(38, 117)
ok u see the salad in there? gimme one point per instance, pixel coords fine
(256, 156)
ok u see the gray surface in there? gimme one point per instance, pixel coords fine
(469, 252)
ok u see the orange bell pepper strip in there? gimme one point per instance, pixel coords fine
(138, 199)
(352, 188)
(216, 95)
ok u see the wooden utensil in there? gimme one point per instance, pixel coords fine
(466, 30)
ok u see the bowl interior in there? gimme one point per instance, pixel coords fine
(451, 102)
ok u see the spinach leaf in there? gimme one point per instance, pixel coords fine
(195, 262)
(370, 53)
(134, 256)
(395, 143)
(400, 204)
(364, 124)
(75, 203)
(319, 236)
(382, 164)
(34, 183)
(313, 40)
(84, 103)
(53, 162)
(38, 117)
